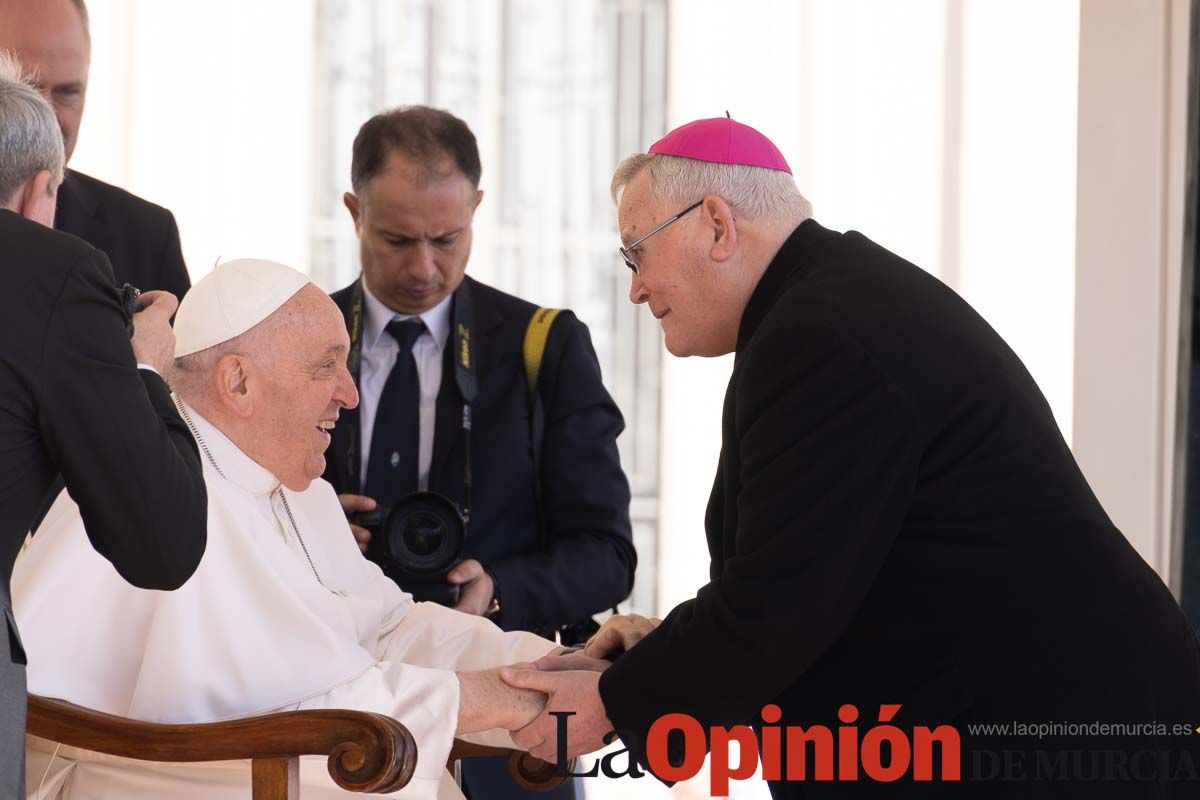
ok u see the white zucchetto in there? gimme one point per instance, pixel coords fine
(232, 299)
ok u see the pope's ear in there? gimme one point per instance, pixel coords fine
(719, 218)
(233, 385)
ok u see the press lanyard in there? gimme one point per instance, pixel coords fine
(462, 326)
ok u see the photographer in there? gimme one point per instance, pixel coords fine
(75, 400)
(446, 406)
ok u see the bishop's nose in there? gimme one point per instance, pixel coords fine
(637, 290)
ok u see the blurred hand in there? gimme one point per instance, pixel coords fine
(477, 587)
(619, 633)
(561, 662)
(153, 340)
(357, 502)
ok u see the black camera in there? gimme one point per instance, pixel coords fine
(416, 543)
(130, 305)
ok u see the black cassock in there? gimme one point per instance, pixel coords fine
(897, 519)
(73, 402)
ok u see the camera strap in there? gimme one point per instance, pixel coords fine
(462, 327)
(533, 350)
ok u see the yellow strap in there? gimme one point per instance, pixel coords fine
(535, 343)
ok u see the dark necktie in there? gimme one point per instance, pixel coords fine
(395, 441)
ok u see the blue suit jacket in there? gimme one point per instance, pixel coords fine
(585, 561)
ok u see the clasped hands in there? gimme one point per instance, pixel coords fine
(571, 683)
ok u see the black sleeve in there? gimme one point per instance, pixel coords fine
(829, 451)
(173, 272)
(125, 456)
(588, 560)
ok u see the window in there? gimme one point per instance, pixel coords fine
(557, 94)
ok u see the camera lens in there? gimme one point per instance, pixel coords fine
(423, 534)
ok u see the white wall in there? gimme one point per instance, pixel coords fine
(206, 108)
(1132, 103)
(1016, 182)
(942, 129)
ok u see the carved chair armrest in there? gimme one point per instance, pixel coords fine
(527, 771)
(367, 752)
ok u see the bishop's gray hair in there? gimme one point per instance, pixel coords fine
(30, 140)
(755, 192)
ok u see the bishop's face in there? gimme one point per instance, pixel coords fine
(301, 389)
(684, 288)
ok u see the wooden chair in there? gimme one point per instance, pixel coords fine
(367, 752)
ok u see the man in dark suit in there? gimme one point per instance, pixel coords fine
(77, 400)
(51, 39)
(141, 239)
(548, 543)
(896, 521)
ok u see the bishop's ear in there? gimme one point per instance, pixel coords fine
(719, 217)
(233, 383)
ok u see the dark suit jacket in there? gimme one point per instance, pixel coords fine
(897, 519)
(586, 563)
(140, 239)
(72, 401)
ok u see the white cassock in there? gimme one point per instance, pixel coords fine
(282, 614)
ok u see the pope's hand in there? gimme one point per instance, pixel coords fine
(619, 633)
(153, 340)
(477, 587)
(486, 702)
(352, 503)
(576, 691)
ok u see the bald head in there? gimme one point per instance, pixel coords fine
(50, 38)
(277, 388)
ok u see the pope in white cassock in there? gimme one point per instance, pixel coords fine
(284, 612)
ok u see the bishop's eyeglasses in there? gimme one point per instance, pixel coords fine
(627, 252)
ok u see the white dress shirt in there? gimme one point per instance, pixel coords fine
(379, 351)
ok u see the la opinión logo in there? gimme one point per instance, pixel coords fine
(791, 752)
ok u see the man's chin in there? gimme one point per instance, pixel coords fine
(314, 467)
(297, 483)
(676, 347)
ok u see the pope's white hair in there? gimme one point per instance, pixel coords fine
(30, 140)
(191, 375)
(755, 192)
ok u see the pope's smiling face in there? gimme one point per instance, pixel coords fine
(299, 385)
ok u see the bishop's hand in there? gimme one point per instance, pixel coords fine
(573, 691)
(618, 634)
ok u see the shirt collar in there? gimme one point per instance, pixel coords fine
(377, 316)
(230, 461)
